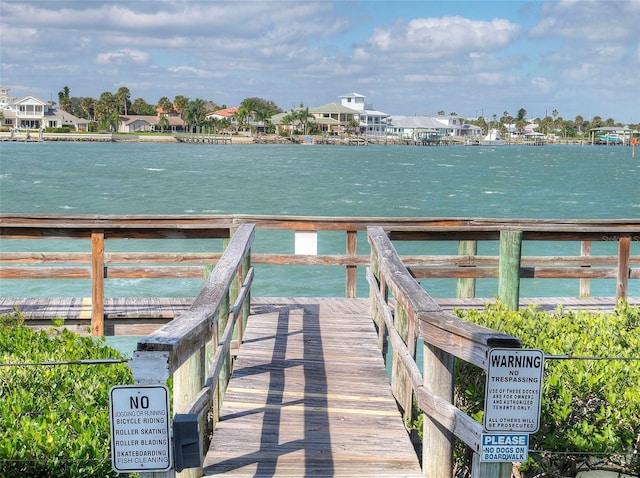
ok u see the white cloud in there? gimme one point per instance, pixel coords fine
(451, 56)
(194, 72)
(122, 56)
(444, 37)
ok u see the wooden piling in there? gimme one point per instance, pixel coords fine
(509, 267)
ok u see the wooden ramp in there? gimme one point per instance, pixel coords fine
(309, 396)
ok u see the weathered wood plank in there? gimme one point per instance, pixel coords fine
(127, 316)
(309, 396)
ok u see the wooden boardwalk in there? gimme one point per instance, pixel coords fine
(141, 316)
(309, 396)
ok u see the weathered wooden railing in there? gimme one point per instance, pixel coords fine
(510, 265)
(466, 266)
(99, 264)
(196, 348)
(411, 314)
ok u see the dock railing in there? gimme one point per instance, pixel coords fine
(403, 313)
(508, 264)
(196, 349)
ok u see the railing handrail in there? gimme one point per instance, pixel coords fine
(399, 225)
(184, 334)
(465, 266)
(195, 348)
(445, 336)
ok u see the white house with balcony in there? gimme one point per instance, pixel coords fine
(372, 122)
(30, 112)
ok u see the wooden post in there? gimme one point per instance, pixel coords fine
(585, 284)
(400, 383)
(510, 258)
(622, 283)
(466, 287)
(97, 283)
(187, 383)
(437, 443)
(151, 368)
(490, 470)
(352, 271)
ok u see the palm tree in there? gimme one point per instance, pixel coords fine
(180, 103)
(163, 122)
(165, 104)
(241, 115)
(88, 105)
(123, 95)
(302, 115)
(194, 113)
(64, 100)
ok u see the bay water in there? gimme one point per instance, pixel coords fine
(550, 182)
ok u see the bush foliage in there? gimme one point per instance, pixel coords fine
(590, 416)
(54, 420)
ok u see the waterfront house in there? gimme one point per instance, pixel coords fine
(372, 122)
(228, 114)
(417, 128)
(147, 123)
(334, 118)
(6, 99)
(57, 118)
(231, 115)
(30, 112)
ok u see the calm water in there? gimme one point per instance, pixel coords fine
(139, 178)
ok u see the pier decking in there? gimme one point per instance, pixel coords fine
(309, 396)
(140, 316)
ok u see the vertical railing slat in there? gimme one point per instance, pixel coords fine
(437, 445)
(352, 271)
(97, 283)
(509, 265)
(624, 251)
(585, 284)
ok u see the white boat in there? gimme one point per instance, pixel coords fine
(492, 139)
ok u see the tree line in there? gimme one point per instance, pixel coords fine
(105, 111)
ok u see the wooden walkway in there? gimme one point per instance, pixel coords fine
(141, 316)
(309, 396)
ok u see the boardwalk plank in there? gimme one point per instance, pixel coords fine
(309, 397)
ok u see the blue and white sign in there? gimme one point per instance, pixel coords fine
(505, 447)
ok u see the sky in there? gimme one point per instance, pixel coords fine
(471, 58)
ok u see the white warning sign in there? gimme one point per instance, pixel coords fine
(513, 390)
(140, 428)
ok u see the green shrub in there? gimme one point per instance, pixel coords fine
(54, 420)
(590, 416)
(61, 129)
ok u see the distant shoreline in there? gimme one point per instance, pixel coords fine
(22, 136)
(109, 138)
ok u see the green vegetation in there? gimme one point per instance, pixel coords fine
(590, 417)
(54, 420)
(104, 112)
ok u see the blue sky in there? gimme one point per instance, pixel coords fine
(407, 57)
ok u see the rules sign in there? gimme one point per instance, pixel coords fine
(140, 428)
(513, 389)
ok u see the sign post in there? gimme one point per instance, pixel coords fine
(140, 428)
(513, 390)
